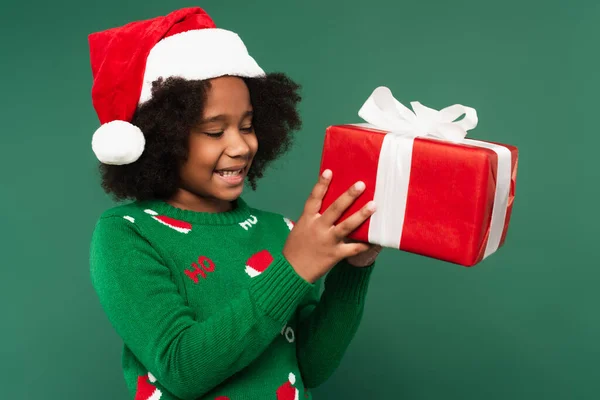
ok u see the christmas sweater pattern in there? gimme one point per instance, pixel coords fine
(147, 391)
(286, 391)
(213, 294)
(179, 226)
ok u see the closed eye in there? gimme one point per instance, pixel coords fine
(214, 134)
(247, 129)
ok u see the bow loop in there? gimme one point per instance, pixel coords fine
(383, 111)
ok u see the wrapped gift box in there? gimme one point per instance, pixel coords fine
(437, 194)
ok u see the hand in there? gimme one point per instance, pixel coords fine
(315, 244)
(366, 258)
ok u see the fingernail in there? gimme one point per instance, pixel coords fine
(371, 206)
(327, 174)
(359, 185)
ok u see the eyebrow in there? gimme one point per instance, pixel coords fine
(223, 117)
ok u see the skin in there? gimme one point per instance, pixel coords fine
(225, 138)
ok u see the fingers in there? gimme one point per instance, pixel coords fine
(313, 204)
(345, 227)
(337, 208)
(352, 249)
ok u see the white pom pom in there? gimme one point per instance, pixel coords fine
(118, 142)
(292, 378)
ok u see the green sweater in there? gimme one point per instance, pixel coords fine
(202, 317)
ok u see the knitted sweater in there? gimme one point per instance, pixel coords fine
(208, 307)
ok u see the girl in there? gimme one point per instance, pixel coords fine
(213, 299)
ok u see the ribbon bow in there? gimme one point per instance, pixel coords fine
(383, 111)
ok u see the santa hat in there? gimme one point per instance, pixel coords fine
(126, 60)
(287, 391)
(146, 390)
(258, 263)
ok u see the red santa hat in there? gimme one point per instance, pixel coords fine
(258, 263)
(146, 390)
(287, 391)
(126, 60)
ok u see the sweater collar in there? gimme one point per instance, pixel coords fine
(239, 212)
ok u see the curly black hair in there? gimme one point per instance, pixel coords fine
(167, 118)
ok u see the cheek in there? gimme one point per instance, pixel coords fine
(201, 160)
(253, 144)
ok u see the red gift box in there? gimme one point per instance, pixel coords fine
(437, 194)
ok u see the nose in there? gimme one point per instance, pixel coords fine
(237, 146)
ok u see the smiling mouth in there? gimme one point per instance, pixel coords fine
(232, 177)
(231, 173)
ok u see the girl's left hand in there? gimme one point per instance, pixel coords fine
(365, 258)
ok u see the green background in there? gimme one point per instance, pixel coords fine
(524, 324)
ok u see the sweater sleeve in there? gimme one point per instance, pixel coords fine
(328, 324)
(188, 357)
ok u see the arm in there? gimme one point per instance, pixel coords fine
(326, 326)
(188, 357)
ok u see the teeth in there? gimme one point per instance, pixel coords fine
(230, 173)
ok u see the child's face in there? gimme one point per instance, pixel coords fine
(221, 144)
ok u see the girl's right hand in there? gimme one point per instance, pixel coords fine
(315, 244)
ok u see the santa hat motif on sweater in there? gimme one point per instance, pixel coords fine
(179, 226)
(289, 222)
(287, 391)
(146, 390)
(258, 263)
(126, 60)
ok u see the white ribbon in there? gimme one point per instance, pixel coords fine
(382, 111)
(385, 112)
